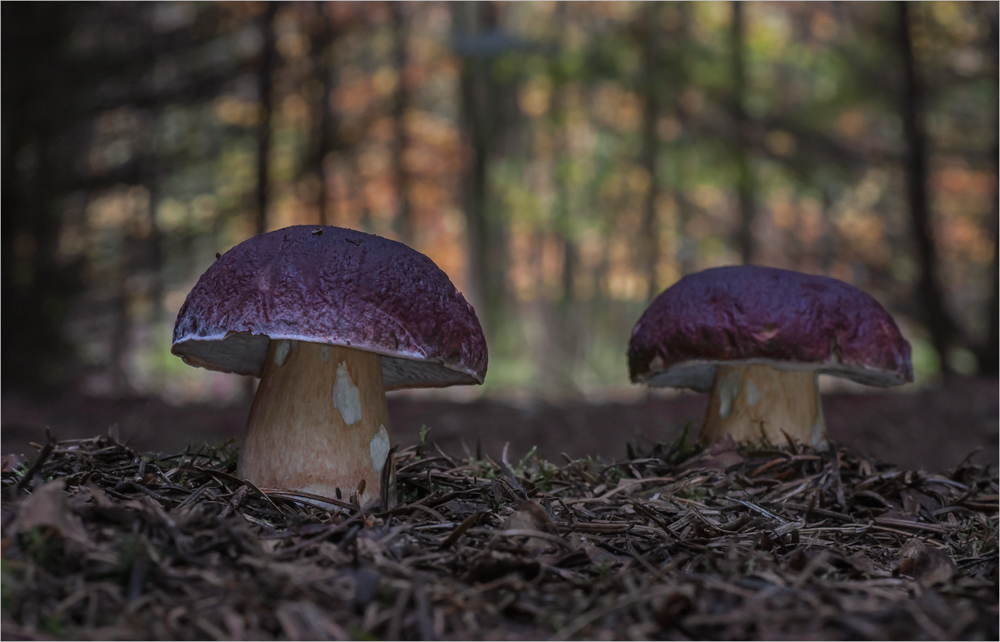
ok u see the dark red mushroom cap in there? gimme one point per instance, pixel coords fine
(749, 314)
(338, 287)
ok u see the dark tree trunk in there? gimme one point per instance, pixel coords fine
(151, 256)
(155, 240)
(265, 91)
(121, 324)
(676, 42)
(745, 182)
(478, 108)
(404, 221)
(569, 267)
(322, 143)
(563, 216)
(40, 104)
(686, 250)
(649, 243)
(156, 289)
(565, 327)
(827, 246)
(988, 354)
(939, 324)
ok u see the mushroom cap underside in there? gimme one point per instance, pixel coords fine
(334, 286)
(751, 314)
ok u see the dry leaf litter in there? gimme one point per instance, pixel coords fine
(757, 542)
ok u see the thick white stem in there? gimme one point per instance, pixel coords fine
(753, 401)
(319, 421)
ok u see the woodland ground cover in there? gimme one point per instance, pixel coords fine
(759, 542)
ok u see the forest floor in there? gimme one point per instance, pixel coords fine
(614, 527)
(932, 429)
(760, 542)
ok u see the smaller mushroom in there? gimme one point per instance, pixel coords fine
(757, 338)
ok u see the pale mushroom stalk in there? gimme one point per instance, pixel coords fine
(757, 339)
(329, 319)
(319, 421)
(754, 401)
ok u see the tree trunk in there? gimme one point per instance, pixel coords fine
(563, 216)
(322, 143)
(561, 156)
(564, 328)
(121, 325)
(404, 222)
(745, 181)
(677, 41)
(478, 98)
(687, 251)
(37, 113)
(649, 243)
(154, 252)
(988, 357)
(939, 324)
(988, 354)
(265, 89)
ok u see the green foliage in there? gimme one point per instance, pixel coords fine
(10, 583)
(601, 570)
(129, 549)
(170, 175)
(20, 469)
(357, 633)
(52, 624)
(976, 539)
(45, 546)
(229, 453)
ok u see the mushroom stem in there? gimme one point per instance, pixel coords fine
(319, 421)
(751, 401)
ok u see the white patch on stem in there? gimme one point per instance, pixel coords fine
(753, 393)
(729, 387)
(346, 396)
(379, 448)
(818, 430)
(281, 352)
(324, 354)
(819, 424)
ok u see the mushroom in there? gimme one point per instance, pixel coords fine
(329, 319)
(758, 338)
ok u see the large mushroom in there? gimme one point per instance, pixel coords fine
(757, 338)
(329, 319)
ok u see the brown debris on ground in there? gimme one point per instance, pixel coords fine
(100, 542)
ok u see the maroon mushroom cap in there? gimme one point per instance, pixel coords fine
(749, 314)
(334, 286)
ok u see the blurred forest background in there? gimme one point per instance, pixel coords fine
(562, 162)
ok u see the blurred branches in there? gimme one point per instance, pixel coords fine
(563, 163)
